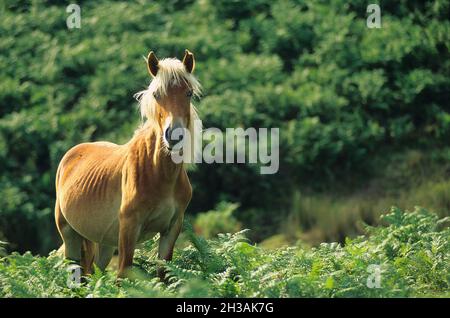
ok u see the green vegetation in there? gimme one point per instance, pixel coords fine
(219, 220)
(364, 125)
(412, 252)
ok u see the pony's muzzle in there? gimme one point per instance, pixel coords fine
(174, 135)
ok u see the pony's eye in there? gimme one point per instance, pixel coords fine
(156, 95)
(189, 93)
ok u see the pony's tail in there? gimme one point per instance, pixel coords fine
(60, 250)
(88, 252)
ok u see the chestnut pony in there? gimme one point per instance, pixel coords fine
(112, 196)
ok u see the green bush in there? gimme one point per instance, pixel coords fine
(341, 94)
(219, 220)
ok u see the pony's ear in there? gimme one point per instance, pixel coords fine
(189, 61)
(152, 64)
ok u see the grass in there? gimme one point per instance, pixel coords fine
(410, 252)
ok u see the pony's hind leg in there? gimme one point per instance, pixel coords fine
(72, 240)
(88, 252)
(76, 247)
(104, 256)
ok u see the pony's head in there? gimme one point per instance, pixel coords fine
(167, 100)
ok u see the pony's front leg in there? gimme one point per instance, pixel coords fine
(167, 242)
(128, 234)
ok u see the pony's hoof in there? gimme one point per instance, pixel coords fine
(162, 274)
(118, 282)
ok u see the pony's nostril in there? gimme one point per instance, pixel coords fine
(174, 134)
(167, 134)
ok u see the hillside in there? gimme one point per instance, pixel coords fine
(363, 113)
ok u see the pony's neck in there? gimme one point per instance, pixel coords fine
(154, 157)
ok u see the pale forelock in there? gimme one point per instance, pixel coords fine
(171, 72)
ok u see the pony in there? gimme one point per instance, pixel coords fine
(112, 197)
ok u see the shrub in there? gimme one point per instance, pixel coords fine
(219, 220)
